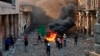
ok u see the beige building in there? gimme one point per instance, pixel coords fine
(25, 13)
(14, 15)
(86, 18)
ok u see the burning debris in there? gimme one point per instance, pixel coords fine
(51, 35)
(65, 22)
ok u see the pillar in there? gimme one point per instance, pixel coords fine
(87, 20)
(19, 23)
(79, 26)
(0, 33)
(16, 25)
(91, 25)
(96, 37)
(7, 25)
(12, 28)
(3, 31)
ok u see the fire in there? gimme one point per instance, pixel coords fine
(51, 36)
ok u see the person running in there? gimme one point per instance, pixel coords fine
(48, 49)
(26, 42)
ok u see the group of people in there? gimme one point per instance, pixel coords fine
(9, 42)
(60, 42)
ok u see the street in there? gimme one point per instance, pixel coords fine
(38, 49)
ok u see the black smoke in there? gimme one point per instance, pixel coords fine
(65, 21)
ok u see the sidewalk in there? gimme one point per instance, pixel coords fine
(12, 50)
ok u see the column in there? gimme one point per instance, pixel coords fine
(7, 26)
(87, 26)
(12, 32)
(3, 32)
(0, 33)
(19, 24)
(79, 26)
(96, 37)
(16, 26)
(91, 25)
(97, 34)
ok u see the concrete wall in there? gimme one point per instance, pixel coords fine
(6, 8)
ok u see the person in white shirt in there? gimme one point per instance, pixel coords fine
(64, 40)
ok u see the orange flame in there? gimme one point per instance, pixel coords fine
(51, 36)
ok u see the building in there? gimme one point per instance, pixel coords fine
(24, 16)
(9, 16)
(87, 15)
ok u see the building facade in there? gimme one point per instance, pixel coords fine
(25, 13)
(87, 15)
(9, 16)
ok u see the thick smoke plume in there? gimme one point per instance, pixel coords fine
(65, 21)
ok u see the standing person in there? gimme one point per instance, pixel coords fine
(48, 49)
(12, 41)
(7, 43)
(26, 42)
(76, 38)
(64, 37)
(39, 37)
(45, 42)
(1, 53)
(58, 42)
(61, 41)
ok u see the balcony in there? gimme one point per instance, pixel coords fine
(9, 1)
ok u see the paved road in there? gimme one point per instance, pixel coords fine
(35, 49)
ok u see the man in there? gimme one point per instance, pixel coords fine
(64, 37)
(76, 38)
(26, 41)
(39, 37)
(48, 49)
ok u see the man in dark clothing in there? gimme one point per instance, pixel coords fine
(39, 38)
(48, 49)
(7, 44)
(76, 39)
(1, 53)
(26, 41)
(45, 42)
(12, 41)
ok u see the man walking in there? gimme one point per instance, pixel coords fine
(48, 49)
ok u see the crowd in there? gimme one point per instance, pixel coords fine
(59, 40)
